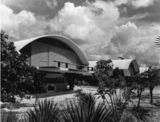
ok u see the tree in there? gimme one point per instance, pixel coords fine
(148, 79)
(139, 83)
(107, 86)
(17, 76)
(153, 78)
(102, 70)
(112, 79)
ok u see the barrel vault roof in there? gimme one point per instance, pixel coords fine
(21, 44)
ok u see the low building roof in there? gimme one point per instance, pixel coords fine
(122, 64)
(143, 69)
(119, 63)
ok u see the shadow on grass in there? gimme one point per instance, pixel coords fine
(50, 94)
(147, 96)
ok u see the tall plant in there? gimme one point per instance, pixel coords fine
(45, 111)
(108, 85)
(87, 109)
(153, 78)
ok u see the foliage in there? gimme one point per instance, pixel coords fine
(87, 109)
(136, 114)
(157, 41)
(46, 111)
(102, 70)
(8, 117)
(109, 85)
(142, 114)
(153, 79)
(17, 76)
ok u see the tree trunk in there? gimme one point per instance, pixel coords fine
(151, 94)
(139, 97)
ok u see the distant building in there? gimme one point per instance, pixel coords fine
(56, 55)
(143, 69)
(128, 67)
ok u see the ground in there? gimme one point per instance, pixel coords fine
(23, 105)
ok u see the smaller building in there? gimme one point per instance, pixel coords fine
(143, 69)
(128, 67)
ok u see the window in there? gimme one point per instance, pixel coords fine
(66, 65)
(59, 64)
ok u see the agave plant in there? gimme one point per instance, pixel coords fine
(8, 117)
(46, 111)
(87, 109)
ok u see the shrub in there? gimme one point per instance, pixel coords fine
(46, 111)
(8, 117)
(87, 109)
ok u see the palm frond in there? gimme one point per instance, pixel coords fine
(87, 109)
(46, 111)
(8, 117)
(157, 42)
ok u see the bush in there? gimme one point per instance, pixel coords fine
(87, 109)
(8, 117)
(46, 111)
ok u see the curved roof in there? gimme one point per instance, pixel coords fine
(21, 44)
(122, 63)
(119, 63)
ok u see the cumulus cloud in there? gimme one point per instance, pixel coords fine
(96, 26)
(21, 25)
(142, 3)
(88, 23)
(93, 24)
(131, 41)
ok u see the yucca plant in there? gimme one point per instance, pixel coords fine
(8, 117)
(86, 109)
(45, 111)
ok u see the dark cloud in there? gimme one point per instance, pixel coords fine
(44, 8)
(101, 29)
(153, 12)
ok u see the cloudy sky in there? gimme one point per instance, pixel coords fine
(102, 28)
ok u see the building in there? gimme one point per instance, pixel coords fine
(128, 67)
(143, 69)
(59, 57)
